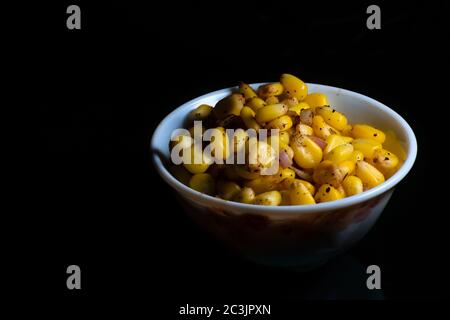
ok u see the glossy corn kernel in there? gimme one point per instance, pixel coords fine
(295, 110)
(248, 117)
(347, 131)
(270, 198)
(335, 140)
(283, 139)
(203, 182)
(316, 100)
(294, 87)
(269, 90)
(270, 112)
(357, 156)
(227, 189)
(366, 146)
(328, 172)
(369, 175)
(327, 193)
(307, 154)
(195, 161)
(272, 100)
(230, 105)
(305, 129)
(269, 183)
(332, 117)
(291, 183)
(352, 185)
(393, 144)
(340, 153)
(200, 113)
(246, 195)
(321, 128)
(347, 167)
(282, 123)
(256, 103)
(385, 161)
(364, 131)
(300, 195)
(247, 91)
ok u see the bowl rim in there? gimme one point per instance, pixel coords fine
(324, 206)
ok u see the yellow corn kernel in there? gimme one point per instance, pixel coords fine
(239, 139)
(393, 144)
(341, 190)
(332, 117)
(247, 91)
(328, 172)
(307, 154)
(364, 131)
(352, 185)
(270, 198)
(290, 101)
(244, 172)
(262, 184)
(246, 195)
(335, 140)
(195, 155)
(229, 105)
(300, 195)
(272, 100)
(227, 189)
(316, 100)
(340, 153)
(180, 173)
(270, 112)
(219, 143)
(294, 87)
(269, 90)
(369, 175)
(357, 156)
(366, 146)
(248, 117)
(256, 103)
(327, 193)
(281, 123)
(290, 183)
(304, 129)
(202, 182)
(347, 131)
(347, 167)
(285, 200)
(283, 139)
(295, 110)
(321, 128)
(385, 161)
(200, 113)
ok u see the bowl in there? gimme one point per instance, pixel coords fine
(301, 236)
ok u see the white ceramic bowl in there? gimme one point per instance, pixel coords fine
(292, 236)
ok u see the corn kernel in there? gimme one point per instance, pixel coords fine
(316, 100)
(369, 175)
(307, 154)
(327, 193)
(340, 153)
(364, 131)
(270, 198)
(332, 117)
(352, 185)
(202, 182)
(366, 146)
(270, 112)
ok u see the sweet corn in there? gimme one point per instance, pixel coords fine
(328, 172)
(327, 193)
(248, 117)
(269, 90)
(296, 109)
(202, 182)
(347, 167)
(332, 117)
(283, 139)
(193, 156)
(366, 146)
(321, 128)
(334, 140)
(340, 153)
(247, 91)
(294, 87)
(364, 131)
(219, 145)
(281, 123)
(246, 195)
(244, 172)
(270, 112)
(307, 154)
(357, 156)
(299, 195)
(227, 189)
(304, 129)
(347, 131)
(285, 200)
(290, 101)
(269, 183)
(202, 112)
(393, 144)
(290, 183)
(272, 100)
(270, 198)
(239, 137)
(352, 185)
(229, 105)
(385, 161)
(316, 100)
(369, 175)
(256, 103)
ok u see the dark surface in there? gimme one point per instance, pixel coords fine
(101, 91)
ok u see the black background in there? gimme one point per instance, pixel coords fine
(96, 94)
